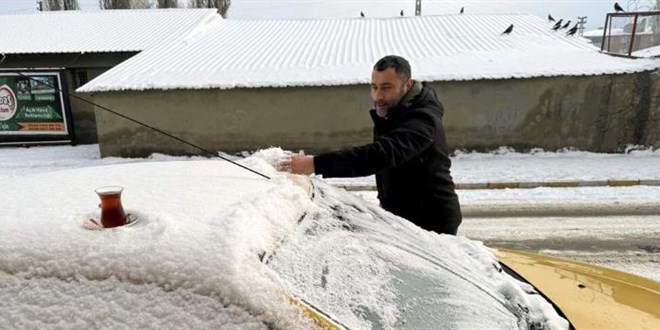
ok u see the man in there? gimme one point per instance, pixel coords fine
(408, 154)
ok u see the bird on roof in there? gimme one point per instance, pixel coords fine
(567, 24)
(550, 18)
(572, 30)
(617, 8)
(462, 10)
(508, 30)
(361, 14)
(401, 13)
(557, 25)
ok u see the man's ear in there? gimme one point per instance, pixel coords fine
(409, 84)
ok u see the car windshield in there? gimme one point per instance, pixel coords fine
(214, 246)
(370, 269)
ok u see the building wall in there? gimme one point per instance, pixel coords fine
(599, 113)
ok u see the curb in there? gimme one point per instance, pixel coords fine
(529, 185)
(515, 210)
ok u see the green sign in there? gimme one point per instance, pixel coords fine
(31, 104)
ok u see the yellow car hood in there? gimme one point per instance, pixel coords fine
(591, 297)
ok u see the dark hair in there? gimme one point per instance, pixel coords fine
(400, 65)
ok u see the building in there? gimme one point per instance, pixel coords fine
(303, 84)
(49, 51)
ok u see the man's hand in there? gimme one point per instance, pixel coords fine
(298, 164)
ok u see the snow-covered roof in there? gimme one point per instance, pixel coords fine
(99, 31)
(647, 52)
(599, 32)
(615, 32)
(281, 53)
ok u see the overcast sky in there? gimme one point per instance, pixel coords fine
(595, 10)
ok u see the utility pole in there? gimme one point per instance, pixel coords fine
(418, 7)
(582, 20)
(40, 5)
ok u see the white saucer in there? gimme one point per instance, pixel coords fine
(96, 224)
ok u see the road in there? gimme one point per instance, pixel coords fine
(626, 243)
(623, 235)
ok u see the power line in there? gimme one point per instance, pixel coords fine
(582, 20)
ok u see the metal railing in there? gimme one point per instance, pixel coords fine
(627, 33)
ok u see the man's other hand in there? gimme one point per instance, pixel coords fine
(299, 164)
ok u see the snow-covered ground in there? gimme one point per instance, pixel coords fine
(503, 165)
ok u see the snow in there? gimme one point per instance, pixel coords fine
(99, 31)
(342, 51)
(647, 52)
(192, 244)
(391, 274)
(506, 165)
(192, 260)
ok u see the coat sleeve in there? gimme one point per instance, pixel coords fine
(414, 135)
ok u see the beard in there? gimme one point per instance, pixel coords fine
(383, 106)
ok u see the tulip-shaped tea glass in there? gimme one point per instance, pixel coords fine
(112, 212)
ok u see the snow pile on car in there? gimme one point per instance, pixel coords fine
(190, 261)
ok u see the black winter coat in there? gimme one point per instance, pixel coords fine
(410, 159)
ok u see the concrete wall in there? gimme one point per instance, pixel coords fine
(93, 64)
(318, 118)
(600, 113)
(597, 113)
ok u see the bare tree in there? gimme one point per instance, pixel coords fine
(115, 4)
(60, 5)
(168, 4)
(124, 4)
(222, 5)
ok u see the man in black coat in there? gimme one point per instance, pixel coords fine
(408, 154)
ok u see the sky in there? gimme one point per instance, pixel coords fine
(595, 10)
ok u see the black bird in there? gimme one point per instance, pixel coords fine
(617, 8)
(566, 25)
(361, 14)
(508, 30)
(401, 13)
(572, 30)
(462, 10)
(550, 18)
(557, 25)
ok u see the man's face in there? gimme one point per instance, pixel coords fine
(387, 89)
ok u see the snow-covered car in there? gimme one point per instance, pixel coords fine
(212, 246)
